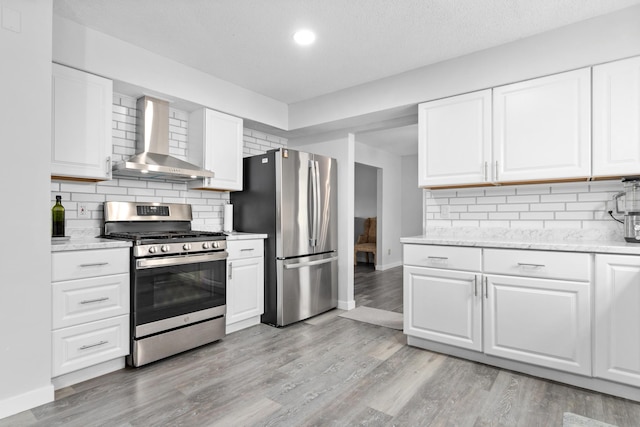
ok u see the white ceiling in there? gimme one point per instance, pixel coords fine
(249, 42)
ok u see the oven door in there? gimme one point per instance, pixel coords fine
(174, 291)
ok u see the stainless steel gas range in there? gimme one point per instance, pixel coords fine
(178, 278)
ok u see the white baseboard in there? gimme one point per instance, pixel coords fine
(381, 267)
(233, 327)
(84, 374)
(26, 401)
(347, 305)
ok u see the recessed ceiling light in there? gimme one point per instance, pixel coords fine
(304, 37)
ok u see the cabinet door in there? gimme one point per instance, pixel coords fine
(454, 145)
(616, 118)
(443, 306)
(539, 321)
(617, 323)
(216, 141)
(542, 128)
(245, 289)
(81, 124)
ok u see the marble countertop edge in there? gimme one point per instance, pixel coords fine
(591, 246)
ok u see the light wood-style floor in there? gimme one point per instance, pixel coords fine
(327, 371)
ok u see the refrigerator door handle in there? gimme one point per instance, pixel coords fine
(316, 219)
(310, 263)
(315, 202)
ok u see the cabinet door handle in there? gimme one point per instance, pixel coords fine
(486, 288)
(95, 264)
(89, 301)
(230, 271)
(524, 264)
(98, 344)
(496, 175)
(485, 171)
(475, 285)
(108, 167)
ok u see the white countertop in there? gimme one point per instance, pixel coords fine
(600, 246)
(237, 235)
(83, 243)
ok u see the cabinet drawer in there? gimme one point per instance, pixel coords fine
(90, 263)
(87, 300)
(239, 249)
(546, 264)
(85, 345)
(449, 257)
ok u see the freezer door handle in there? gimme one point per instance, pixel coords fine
(315, 202)
(309, 263)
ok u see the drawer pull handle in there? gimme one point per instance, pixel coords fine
(439, 258)
(98, 344)
(524, 264)
(246, 249)
(230, 270)
(475, 285)
(89, 301)
(95, 264)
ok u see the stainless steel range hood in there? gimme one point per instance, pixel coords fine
(152, 160)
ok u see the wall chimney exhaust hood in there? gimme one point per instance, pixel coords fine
(152, 160)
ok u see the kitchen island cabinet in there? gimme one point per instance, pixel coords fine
(81, 125)
(90, 313)
(245, 281)
(215, 143)
(616, 118)
(542, 309)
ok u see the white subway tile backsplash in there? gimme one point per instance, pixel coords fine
(93, 195)
(571, 209)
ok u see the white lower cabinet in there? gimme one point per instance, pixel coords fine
(539, 321)
(90, 311)
(525, 306)
(245, 283)
(443, 306)
(617, 318)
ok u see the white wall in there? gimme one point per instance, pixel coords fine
(389, 202)
(98, 53)
(366, 189)
(601, 39)
(411, 201)
(343, 151)
(25, 135)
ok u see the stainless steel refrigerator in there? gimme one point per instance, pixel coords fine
(292, 197)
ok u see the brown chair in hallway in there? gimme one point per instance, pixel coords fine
(366, 241)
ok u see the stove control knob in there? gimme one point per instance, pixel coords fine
(153, 250)
(186, 246)
(215, 244)
(164, 248)
(205, 245)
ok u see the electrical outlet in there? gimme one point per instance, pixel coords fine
(445, 211)
(389, 252)
(82, 210)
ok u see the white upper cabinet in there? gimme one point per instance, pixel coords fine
(542, 128)
(455, 140)
(215, 143)
(616, 118)
(81, 125)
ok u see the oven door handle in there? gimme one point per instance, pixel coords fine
(144, 263)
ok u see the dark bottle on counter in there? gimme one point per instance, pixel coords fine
(57, 218)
